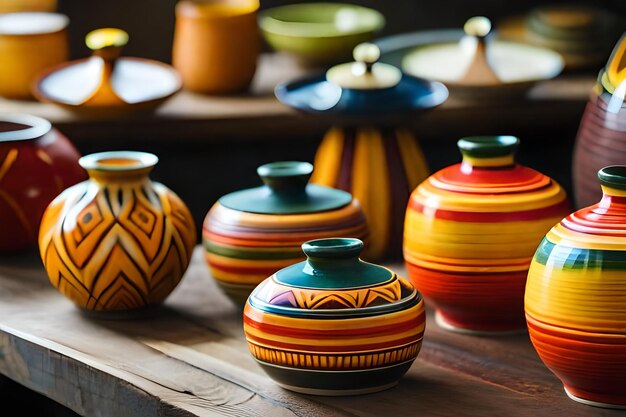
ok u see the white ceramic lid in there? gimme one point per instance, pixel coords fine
(34, 23)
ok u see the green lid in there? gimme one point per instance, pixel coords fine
(333, 264)
(286, 191)
(488, 146)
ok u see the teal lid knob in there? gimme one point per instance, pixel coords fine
(286, 177)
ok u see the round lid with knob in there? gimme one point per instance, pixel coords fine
(364, 87)
(106, 79)
(480, 60)
(334, 281)
(286, 191)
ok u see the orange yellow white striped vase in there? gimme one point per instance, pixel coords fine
(333, 324)
(471, 230)
(379, 166)
(250, 234)
(576, 297)
(116, 241)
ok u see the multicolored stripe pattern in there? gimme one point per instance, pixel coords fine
(575, 300)
(243, 249)
(335, 343)
(380, 168)
(470, 232)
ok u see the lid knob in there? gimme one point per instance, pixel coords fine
(324, 255)
(488, 151)
(288, 178)
(366, 73)
(477, 26)
(479, 72)
(107, 42)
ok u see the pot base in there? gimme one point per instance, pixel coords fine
(444, 324)
(238, 294)
(336, 383)
(139, 313)
(594, 403)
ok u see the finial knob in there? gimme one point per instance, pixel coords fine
(478, 26)
(107, 42)
(366, 52)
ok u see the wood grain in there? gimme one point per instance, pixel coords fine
(189, 358)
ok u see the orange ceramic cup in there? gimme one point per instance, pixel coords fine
(11, 6)
(29, 44)
(216, 45)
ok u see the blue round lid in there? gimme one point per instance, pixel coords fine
(362, 88)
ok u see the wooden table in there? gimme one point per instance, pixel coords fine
(190, 359)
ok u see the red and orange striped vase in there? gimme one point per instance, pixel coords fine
(333, 324)
(470, 233)
(250, 234)
(576, 297)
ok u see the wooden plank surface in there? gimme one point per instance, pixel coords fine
(189, 358)
(195, 117)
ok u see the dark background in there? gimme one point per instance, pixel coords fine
(226, 165)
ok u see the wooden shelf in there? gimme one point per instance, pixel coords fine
(194, 117)
(190, 359)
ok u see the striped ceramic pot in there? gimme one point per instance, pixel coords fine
(248, 235)
(576, 297)
(380, 167)
(333, 324)
(601, 138)
(118, 241)
(470, 233)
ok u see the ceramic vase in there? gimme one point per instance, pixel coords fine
(576, 297)
(470, 233)
(216, 45)
(36, 163)
(379, 167)
(250, 234)
(118, 241)
(601, 138)
(333, 324)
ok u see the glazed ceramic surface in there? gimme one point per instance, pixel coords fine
(470, 233)
(216, 45)
(29, 44)
(250, 234)
(478, 66)
(319, 33)
(105, 83)
(582, 34)
(576, 297)
(333, 324)
(117, 241)
(36, 163)
(601, 139)
(368, 153)
(15, 6)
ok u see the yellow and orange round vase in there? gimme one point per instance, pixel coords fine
(333, 324)
(575, 298)
(118, 241)
(250, 234)
(470, 233)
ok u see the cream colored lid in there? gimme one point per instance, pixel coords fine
(366, 73)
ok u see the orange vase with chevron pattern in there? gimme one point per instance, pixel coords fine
(36, 163)
(333, 324)
(117, 241)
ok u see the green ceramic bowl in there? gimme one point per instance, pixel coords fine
(319, 33)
